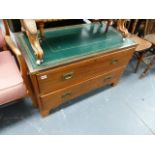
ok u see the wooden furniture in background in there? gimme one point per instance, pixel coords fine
(41, 22)
(145, 51)
(149, 35)
(143, 45)
(30, 27)
(109, 22)
(150, 26)
(80, 60)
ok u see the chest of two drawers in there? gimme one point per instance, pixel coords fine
(64, 83)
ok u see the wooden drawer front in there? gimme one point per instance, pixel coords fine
(77, 72)
(52, 100)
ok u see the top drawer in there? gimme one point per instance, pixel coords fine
(73, 73)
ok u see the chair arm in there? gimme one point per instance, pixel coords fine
(16, 51)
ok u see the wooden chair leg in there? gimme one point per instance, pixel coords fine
(147, 68)
(109, 22)
(41, 28)
(139, 61)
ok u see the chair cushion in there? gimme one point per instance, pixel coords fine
(142, 43)
(150, 37)
(11, 82)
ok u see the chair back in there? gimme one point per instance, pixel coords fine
(137, 26)
(150, 28)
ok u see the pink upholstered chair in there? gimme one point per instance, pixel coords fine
(13, 79)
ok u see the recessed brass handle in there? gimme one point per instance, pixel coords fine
(107, 78)
(114, 61)
(66, 94)
(67, 76)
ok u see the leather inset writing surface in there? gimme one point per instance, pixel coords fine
(61, 45)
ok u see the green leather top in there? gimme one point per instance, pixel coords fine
(66, 44)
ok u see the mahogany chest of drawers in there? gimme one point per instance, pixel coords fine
(78, 59)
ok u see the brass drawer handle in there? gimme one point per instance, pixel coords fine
(108, 78)
(67, 94)
(114, 61)
(67, 76)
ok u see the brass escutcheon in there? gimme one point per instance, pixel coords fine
(114, 61)
(66, 94)
(107, 78)
(67, 76)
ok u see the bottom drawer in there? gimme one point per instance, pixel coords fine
(54, 99)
